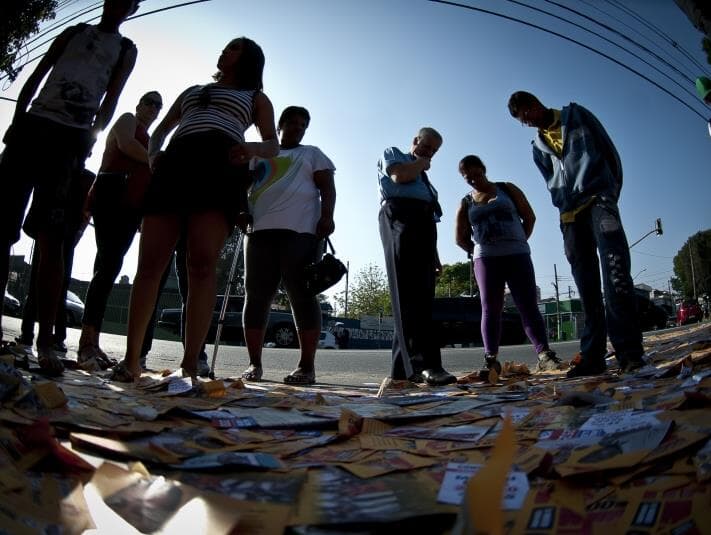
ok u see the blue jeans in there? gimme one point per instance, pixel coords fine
(597, 230)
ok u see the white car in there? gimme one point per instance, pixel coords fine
(326, 340)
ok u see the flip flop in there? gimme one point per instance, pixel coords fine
(300, 377)
(253, 373)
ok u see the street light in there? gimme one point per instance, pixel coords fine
(656, 230)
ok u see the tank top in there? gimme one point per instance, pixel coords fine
(211, 107)
(496, 226)
(138, 173)
(77, 83)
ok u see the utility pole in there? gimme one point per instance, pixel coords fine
(693, 277)
(557, 303)
(671, 298)
(348, 269)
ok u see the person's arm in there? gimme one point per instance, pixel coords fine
(124, 131)
(113, 91)
(165, 127)
(463, 230)
(241, 153)
(327, 187)
(406, 172)
(607, 147)
(525, 211)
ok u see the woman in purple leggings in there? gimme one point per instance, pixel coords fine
(494, 222)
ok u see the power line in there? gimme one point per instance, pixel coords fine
(654, 29)
(160, 10)
(625, 37)
(570, 39)
(640, 34)
(581, 27)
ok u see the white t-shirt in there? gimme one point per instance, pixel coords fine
(284, 195)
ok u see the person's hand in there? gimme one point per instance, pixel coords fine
(12, 129)
(240, 154)
(325, 227)
(154, 160)
(425, 162)
(88, 208)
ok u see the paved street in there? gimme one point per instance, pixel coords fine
(355, 367)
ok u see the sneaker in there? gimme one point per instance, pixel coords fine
(203, 368)
(548, 361)
(586, 368)
(491, 361)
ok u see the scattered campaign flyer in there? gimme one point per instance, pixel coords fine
(458, 474)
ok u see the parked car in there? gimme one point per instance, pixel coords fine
(11, 305)
(281, 330)
(327, 340)
(651, 316)
(457, 320)
(689, 312)
(74, 308)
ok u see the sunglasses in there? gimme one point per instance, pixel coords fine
(153, 102)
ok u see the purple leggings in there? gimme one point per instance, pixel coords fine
(491, 273)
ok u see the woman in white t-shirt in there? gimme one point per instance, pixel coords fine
(291, 201)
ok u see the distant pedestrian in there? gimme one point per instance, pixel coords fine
(583, 172)
(408, 216)
(86, 68)
(342, 335)
(494, 223)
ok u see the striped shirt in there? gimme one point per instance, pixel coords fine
(212, 107)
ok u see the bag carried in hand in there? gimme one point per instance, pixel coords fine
(325, 273)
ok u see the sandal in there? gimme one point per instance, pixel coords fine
(300, 377)
(253, 373)
(49, 363)
(121, 374)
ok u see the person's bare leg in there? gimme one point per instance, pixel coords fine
(50, 276)
(254, 339)
(308, 341)
(159, 234)
(207, 233)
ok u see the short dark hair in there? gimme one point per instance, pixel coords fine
(472, 161)
(150, 93)
(429, 131)
(290, 111)
(521, 99)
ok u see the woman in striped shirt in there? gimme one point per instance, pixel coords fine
(199, 189)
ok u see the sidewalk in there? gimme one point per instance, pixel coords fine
(613, 453)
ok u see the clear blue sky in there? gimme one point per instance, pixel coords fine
(372, 72)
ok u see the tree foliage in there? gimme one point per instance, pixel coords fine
(368, 294)
(19, 21)
(455, 280)
(697, 249)
(224, 265)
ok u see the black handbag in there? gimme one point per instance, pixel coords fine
(323, 274)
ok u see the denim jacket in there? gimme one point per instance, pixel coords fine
(589, 166)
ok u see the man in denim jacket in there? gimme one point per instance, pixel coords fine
(583, 173)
